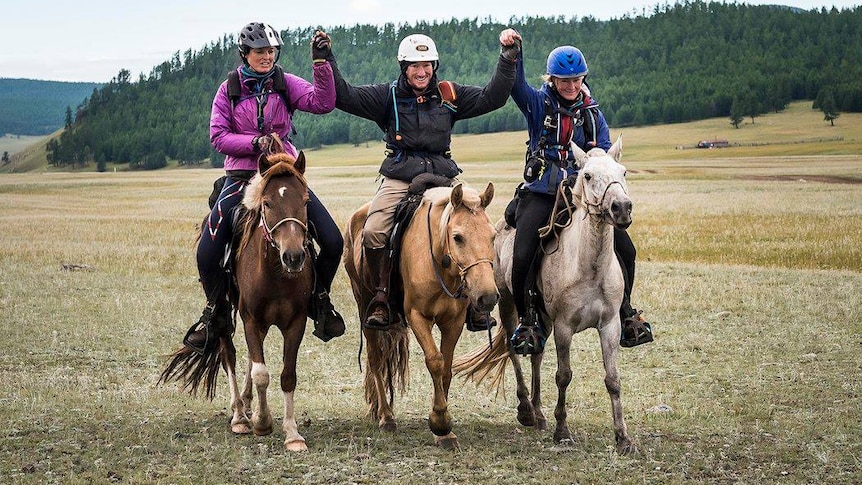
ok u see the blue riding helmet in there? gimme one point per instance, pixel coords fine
(566, 62)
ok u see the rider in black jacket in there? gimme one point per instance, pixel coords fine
(416, 113)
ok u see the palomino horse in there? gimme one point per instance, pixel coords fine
(446, 262)
(582, 286)
(274, 280)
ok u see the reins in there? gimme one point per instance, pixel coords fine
(447, 259)
(555, 228)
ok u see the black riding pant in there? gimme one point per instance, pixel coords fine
(534, 211)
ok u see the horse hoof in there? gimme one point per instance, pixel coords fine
(389, 426)
(542, 424)
(262, 431)
(627, 448)
(296, 445)
(563, 437)
(240, 428)
(527, 419)
(449, 442)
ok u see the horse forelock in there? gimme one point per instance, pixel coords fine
(253, 198)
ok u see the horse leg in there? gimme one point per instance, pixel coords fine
(563, 341)
(540, 421)
(261, 418)
(439, 420)
(449, 338)
(246, 396)
(376, 390)
(528, 413)
(239, 423)
(610, 339)
(293, 441)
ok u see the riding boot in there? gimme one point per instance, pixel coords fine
(479, 321)
(530, 336)
(328, 323)
(215, 321)
(378, 311)
(636, 330)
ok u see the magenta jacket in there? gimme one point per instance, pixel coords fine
(232, 130)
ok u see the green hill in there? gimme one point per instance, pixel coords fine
(798, 130)
(684, 62)
(37, 108)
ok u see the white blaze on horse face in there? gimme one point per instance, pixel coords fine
(281, 191)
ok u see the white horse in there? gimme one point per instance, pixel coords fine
(582, 287)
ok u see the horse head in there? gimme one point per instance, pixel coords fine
(278, 196)
(600, 188)
(470, 243)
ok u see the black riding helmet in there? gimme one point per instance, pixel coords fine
(257, 35)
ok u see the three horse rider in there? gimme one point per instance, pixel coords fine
(416, 112)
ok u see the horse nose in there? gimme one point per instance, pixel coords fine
(487, 301)
(622, 212)
(293, 260)
(622, 207)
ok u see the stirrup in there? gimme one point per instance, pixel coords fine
(479, 321)
(328, 323)
(635, 331)
(198, 337)
(529, 338)
(378, 305)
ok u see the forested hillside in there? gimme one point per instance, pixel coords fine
(29, 107)
(683, 62)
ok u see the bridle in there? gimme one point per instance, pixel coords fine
(267, 234)
(595, 211)
(447, 261)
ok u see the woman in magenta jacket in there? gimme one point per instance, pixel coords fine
(240, 126)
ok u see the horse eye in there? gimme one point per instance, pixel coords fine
(458, 238)
(625, 172)
(587, 177)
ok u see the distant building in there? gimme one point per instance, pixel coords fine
(713, 144)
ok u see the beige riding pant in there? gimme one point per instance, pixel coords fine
(381, 213)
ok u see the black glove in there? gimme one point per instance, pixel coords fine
(510, 52)
(321, 47)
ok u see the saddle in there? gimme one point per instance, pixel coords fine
(404, 212)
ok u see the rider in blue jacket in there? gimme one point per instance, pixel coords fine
(560, 112)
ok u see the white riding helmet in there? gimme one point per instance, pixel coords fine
(417, 48)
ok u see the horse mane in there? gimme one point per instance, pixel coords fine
(281, 164)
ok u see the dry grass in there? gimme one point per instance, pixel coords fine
(751, 276)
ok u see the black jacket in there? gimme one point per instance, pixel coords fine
(418, 129)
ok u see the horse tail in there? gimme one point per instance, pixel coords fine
(194, 370)
(485, 361)
(392, 349)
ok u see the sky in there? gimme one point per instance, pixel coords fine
(91, 41)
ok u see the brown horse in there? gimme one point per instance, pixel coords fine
(274, 280)
(446, 262)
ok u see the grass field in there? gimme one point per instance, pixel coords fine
(749, 267)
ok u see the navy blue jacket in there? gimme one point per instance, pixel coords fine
(532, 103)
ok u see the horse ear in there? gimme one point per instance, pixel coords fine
(457, 195)
(580, 155)
(616, 151)
(299, 164)
(487, 196)
(263, 164)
